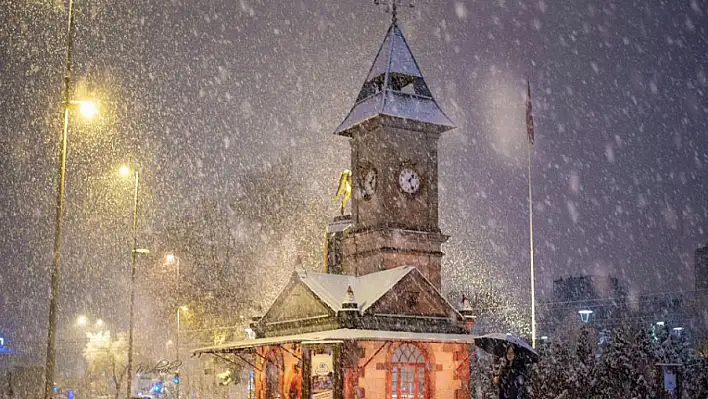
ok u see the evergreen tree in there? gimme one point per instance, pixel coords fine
(695, 382)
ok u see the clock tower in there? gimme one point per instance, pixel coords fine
(393, 131)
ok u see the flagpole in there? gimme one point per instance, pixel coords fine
(533, 281)
(530, 134)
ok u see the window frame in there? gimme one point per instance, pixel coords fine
(415, 362)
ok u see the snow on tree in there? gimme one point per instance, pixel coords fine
(235, 254)
(625, 366)
(107, 360)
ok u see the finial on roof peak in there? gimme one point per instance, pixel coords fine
(350, 295)
(392, 5)
(465, 303)
(349, 299)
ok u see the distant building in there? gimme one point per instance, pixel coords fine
(701, 268)
(596, 300)
(587, 288)
(602, 302)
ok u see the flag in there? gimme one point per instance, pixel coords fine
(529, 114)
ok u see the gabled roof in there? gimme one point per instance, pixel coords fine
(395, 87)
(332, 288)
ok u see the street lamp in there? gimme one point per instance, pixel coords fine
(85, 108)
(126, 171)
(173, 259)
(183, 309)
(585, 315)
(83, 322)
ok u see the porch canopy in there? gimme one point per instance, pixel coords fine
(342, 334)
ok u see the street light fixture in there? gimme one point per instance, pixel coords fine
(86, 108)
(82, 320)
(126, 171)
(585, 315)
(172, 259)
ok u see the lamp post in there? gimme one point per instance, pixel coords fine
(183, 309)
(56, 255)
(173, 259)
(135, 251)
(88, 109)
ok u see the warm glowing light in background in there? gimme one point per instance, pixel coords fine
(124, 171)
(88, 109)
(81, 320)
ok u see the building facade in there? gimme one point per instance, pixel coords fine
(374, 324)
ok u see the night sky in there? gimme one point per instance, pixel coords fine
(199, 93)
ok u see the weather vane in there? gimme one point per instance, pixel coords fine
(391, 6)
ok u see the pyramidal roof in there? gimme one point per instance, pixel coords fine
(395, 87)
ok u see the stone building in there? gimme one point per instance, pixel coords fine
(375, 325)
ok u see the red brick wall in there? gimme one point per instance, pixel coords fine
(447, 370)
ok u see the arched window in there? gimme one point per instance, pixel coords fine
(408, 378)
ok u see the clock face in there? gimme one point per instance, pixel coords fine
(409, 181)
(369, 183)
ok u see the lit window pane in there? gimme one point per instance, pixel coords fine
(408, 373)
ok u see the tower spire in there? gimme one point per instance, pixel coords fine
(394, 86)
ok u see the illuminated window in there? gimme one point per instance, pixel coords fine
(274, 375)
(251, 384)
(408, 375)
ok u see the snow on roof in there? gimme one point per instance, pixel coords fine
(339, 224)
(395, 87)
(332, 288)
(394, 56)
(338, 335)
